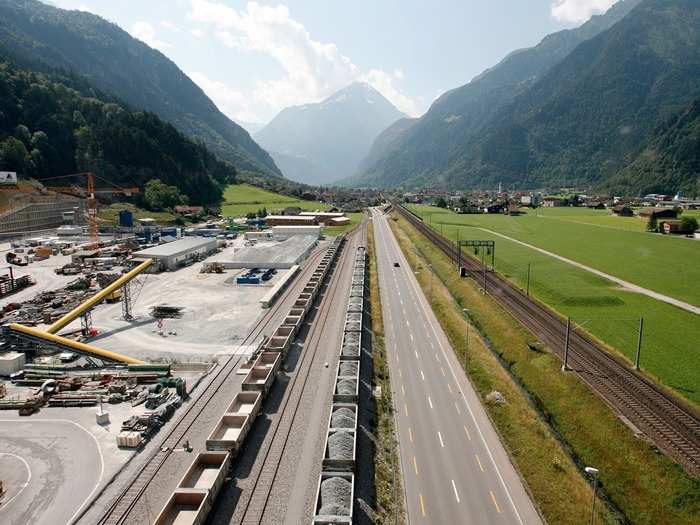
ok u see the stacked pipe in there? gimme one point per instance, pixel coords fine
(198, 489)
(336, 484)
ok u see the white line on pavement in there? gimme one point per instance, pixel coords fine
(455, 489)
(442, 443)
(430, 402)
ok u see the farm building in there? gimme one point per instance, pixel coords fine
(672, 226)
(623, 211)
(338, 221)
(552, 202)
(175, 254)
(659, 213)
(291, 220)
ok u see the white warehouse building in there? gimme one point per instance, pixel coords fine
(174, 255)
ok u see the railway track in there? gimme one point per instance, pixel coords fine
(127, 500)
(668, 424)
(255, 501)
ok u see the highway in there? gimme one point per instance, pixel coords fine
(455, 469)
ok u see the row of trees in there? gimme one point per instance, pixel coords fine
(48, 129)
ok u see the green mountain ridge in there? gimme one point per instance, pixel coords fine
(53, 125)
(110, 59)
(575, 109)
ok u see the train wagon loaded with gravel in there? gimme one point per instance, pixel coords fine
(334, 498)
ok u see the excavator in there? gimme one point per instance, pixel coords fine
(49, 335)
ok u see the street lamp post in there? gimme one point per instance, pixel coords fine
(594, 473)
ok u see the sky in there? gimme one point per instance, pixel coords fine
(254, 58)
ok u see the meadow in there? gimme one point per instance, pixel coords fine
(616, 245)
(240, 199)
(670, 337)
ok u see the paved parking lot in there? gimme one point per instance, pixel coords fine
(56, 465)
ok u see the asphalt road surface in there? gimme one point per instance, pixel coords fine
(455, 469)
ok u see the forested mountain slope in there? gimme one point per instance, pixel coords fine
(52, 125)
(110, 59)
(442, 139)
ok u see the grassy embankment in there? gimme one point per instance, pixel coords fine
(662, 263)
(387, 475)
(558, 426)
(110, 214)
(240, 199)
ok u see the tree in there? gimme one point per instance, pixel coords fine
(441, 202)
(13, 155)
(652, 224)
(160, 196)
(689, 224)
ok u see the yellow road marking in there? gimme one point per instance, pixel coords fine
(415, 465)
(422, 507)
(468, 436)
(479, 462)
(410, 435)
(495, 503)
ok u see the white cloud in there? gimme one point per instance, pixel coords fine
(167, 24)
(232, 103)
(312, 70)
(146, 33)
(197, 32)
(577, 11)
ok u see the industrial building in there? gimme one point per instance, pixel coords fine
(176, 254)
(322, 216)
(279, 255)
(291, 220)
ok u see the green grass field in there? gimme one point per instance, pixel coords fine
(671, 335)
(240, 199)
(615, 245)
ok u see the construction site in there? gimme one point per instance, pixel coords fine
(129, 360)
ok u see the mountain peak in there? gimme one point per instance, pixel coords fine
(331, 136)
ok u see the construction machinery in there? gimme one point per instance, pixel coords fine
(89, 194)
(83, 311)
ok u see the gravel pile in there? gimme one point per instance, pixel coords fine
(343, 418)
(341, 445)
(335, 497)
(348, 368)
(346, 387)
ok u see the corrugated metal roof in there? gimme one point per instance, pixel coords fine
(175, 248)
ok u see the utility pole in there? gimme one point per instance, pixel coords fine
(639, 343)
(565, 366)
(528, 280)
(466, 350)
